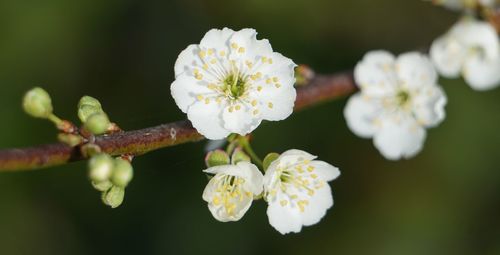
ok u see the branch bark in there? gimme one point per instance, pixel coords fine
(316, 89)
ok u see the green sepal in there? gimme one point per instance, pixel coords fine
(269, 159)
(217, 158)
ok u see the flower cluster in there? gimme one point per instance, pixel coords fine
(398, 100)
(231, 81)
(470, 48)
(295, 186)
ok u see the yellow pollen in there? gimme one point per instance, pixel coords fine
(268, 80)
(259, 88)
(283, 202)
(254, 103)
(255, 112)
(241, 50)
(198, 76)
(202, 54)
(310, 192)
(234, 46)
(249, 64)
(258, 74)
(277, 85)
(210, 51)
(212, 86)
(222, 53)
(310, 168)
(207, 100)
(294, 197)
(270, 105)
(314, 176)
(231, 109)
(238, 107)
(199, 97)
(213, 61)
(216, 200)
(270, 61)
(264, 59)
(205, 66)
(275, 79)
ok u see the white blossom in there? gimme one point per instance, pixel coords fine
(465, 4)
(297, 191)
(231, 191)
(470, 48)
(231, 81)
(398, 99)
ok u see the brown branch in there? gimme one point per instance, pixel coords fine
(315, 89)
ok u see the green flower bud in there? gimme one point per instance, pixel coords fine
(217, 158)
(102, 186)
(70, 139)
(100, 167)
(97, 123)
(37, 103)
(87, 107)
(113, 197)
(269, 159)
(122, 173)
(238, 156)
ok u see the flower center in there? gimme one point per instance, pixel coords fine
(234, 85)
(402, 98)
(230, 192)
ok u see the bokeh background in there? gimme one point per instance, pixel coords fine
(444, 201)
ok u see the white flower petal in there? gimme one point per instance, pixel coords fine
(360, 113)
(402, 138)
(428, 105)
(325, 171)
(282, 218)
(207, 119)
(415, 70)
(254, 178)
(186, 88)
(318, 205)
(375, 73)
(448, 54)
(239, 119)
(216, 39)
(187, 59)
(482, 74)
(477, 34)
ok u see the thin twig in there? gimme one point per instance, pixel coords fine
(316, 89)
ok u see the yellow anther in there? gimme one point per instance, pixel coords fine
(231, 109)
(270, 105)
(264, 59)
(254, 102)
(270, 61)
(259, 88)
(275, 79)
(283, 202)
(255, 112)
(213, 61)
(207, 100)
(314, 176)
(268, 80)
(249, 64)
(210, 51)
(237, 108)
(199, 97)
(222, 53)
(241, 50)
(216, 200)
(277, 85)
(310, 192)
(218, 100)
(202, 54)
(198, 76)
(212, 86)
(234, 46)
(294, 197)
(258, 74)
(310, 168)
(205, 66)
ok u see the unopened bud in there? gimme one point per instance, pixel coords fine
(113, 197)
(238, 156)
(217, 158)
(70, 139)
(102, 186)
(97, 123)
(100, 167)
(269, 159)
(122, 173)
(87, 107)
(37, 103)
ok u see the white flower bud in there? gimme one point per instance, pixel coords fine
(122, 172)
(100, 167)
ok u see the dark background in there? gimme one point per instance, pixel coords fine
(444, 201)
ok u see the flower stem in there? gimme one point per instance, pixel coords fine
(248, 149)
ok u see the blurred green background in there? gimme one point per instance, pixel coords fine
(444, 201)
